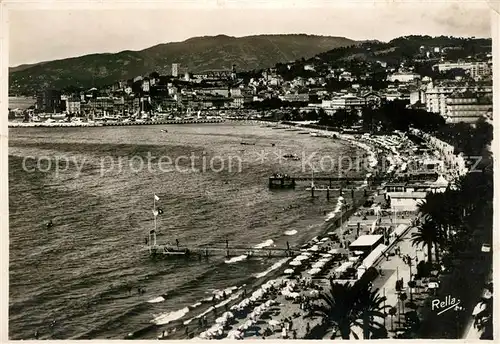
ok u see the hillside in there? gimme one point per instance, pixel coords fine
(198, 54)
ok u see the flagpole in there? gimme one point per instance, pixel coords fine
(154, 208)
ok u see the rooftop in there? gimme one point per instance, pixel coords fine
(366, 240)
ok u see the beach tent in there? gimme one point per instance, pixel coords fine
(399, 230)
(371, 259)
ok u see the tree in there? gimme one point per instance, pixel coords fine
(426, 236)
(345, 306)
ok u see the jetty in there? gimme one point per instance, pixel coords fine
(283, 181)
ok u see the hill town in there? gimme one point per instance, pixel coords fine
(442, 75)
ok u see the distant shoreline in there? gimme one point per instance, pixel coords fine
(108, 124)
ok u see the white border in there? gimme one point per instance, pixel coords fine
(6, 5)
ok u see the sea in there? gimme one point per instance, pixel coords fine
(79, 279)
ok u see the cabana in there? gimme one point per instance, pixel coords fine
(371, 259)
(366, 243)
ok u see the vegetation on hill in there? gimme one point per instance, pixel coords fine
(197, 54)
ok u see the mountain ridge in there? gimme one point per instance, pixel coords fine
(196, 53)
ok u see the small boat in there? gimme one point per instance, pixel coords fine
(164, 131)
(291, 157)
(248, 144)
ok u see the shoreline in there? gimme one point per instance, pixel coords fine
(107, 124)
(330, 225)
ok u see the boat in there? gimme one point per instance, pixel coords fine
(248, 144)
(291, 157)
(164, 131)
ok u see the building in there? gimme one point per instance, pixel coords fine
(49, 101)
(366, 243)
(73, 105)
(176, 69)
(467, 107)
(403, 77)
(436, 94)
(295, 97)
(446, 66)
(408, 196)
(344, 102)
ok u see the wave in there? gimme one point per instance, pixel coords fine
(272, 268)
(337, 210)
(157, 299)
(291, 232)
(168, 317)
(236, 259)
(266, 243)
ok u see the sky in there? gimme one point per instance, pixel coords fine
(47, 32)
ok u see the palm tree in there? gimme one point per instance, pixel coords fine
(372, 304)
(345, 306)
(426, 236)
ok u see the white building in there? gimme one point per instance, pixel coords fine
(436, 94)
(403, 77)
(175, 69)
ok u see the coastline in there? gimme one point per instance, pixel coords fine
(107, 124)
(274, 273)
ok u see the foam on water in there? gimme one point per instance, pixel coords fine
(236, 259)
(266, 243)
(168, 317)
(272, 268)
(157, 299)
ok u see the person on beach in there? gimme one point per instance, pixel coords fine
(308, 328)
(36, 334)
(224, 296)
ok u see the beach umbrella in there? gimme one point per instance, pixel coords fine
(314, 248)
(433, 285)
(318, 265)
(301, 257)
(289, 271)
(479, 308)
(273, 322)
(314, 271)
(295, 263)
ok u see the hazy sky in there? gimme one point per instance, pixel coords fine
(47, 34)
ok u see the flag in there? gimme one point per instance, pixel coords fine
(155, 212)
(157, 198)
